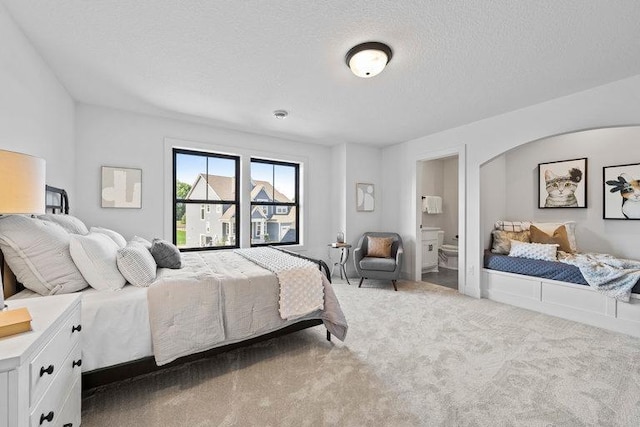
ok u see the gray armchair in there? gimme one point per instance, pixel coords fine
(379, 268)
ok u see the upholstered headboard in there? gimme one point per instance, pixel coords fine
(57, 202)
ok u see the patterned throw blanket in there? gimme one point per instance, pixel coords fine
(611, 276)
(301, 288)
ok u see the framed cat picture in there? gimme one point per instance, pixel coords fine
(562, 184)
(621, 191)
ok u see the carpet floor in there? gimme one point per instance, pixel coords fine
(424, 355)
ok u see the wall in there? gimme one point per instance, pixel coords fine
(613, 104)
(107, 137)
(36, 112)
(433, 185)
(602, 147)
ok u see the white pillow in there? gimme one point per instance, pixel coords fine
(136, 264)
(144, 242)
(545, 252)
(550, 227)
(95, 256)
(113, 235)
(70, 223)
(37, 252)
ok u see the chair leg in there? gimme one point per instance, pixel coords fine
(361, 280)
(394, 285)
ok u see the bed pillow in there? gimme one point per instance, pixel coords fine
(502, 240)
(166, 254)
(70, 223)
(136, 264)
(113, 235)
(37, 252)
(541, 251)
(550, 227)
(95, 257)
(559, 237)
(144, 242)
(379, 247)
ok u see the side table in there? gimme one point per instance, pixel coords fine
(344, 256)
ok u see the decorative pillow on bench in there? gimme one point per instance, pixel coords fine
(559, 238)
(534, 251)
(502, 240)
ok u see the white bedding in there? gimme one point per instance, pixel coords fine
(115, 326)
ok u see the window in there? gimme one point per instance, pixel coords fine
(201, 181)
(274, 202)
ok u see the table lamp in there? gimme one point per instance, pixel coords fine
(22, 189)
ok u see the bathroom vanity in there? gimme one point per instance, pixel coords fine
(429, 249)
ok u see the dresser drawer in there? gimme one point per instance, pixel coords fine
(45, 365)
(70, 413)
(49, 410)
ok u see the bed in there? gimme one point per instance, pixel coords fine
(121, 327)
(558, 289)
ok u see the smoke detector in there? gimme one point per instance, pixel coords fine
(280, 114)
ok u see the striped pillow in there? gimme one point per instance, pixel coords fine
(136, 264)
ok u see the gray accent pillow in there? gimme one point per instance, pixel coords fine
(136, 264)
(70, 223)
(37, 252)
(166, 254)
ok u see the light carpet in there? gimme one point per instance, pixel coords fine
(422, 356)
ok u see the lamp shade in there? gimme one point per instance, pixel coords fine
(22, 183)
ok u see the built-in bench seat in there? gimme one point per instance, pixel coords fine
(561, 298)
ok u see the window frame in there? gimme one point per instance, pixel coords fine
(206, 154)
(275, 204)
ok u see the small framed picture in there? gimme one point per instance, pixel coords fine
(562, 184)
(121, 187)
(621, 191)
(365, 197)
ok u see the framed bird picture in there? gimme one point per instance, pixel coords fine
(621, 191)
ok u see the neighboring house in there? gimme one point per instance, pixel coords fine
(214, 224)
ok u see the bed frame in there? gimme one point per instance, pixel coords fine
(57, 201)
(567, 300)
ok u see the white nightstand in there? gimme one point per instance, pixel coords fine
(40, 370)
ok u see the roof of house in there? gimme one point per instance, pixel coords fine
(224, 187)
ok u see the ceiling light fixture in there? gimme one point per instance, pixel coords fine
(368, 59)
(280, 114)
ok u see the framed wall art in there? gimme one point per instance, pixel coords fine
(562, 184)
(121, 187)
(365, 197)
(621, 191)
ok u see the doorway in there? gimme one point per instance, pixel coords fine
(440, 219)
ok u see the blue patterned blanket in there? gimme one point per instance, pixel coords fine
(614, 277)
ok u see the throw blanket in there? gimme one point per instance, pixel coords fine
(220, 298)
(301, 289)
(611, 276)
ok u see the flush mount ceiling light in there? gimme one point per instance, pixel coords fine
(280, 114)
(368, 59)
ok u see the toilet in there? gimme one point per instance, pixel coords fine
(447, 254)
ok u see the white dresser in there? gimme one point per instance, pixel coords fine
(40, 371)
(429, 249)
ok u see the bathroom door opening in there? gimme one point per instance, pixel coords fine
(440, 219)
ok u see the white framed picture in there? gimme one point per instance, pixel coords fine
(365, 197)
(121, 187)
(621, 191)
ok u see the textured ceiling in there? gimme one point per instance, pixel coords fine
(231, 63)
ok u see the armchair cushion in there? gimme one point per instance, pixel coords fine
(378, 264)
(379, 247)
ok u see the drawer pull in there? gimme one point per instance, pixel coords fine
(67, 425)
(76, 328)
(76, 363)
(48, 418)
(49, 370)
